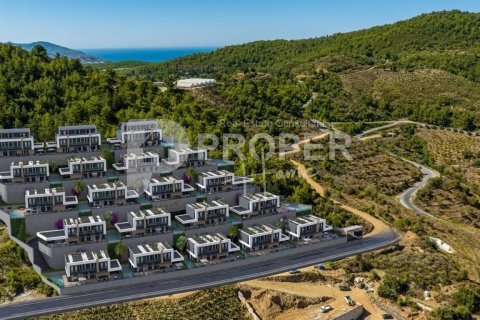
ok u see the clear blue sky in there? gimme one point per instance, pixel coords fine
(187, 23)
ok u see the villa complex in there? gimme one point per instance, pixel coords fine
(78, 205)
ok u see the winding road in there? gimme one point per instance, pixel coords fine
(407, 197)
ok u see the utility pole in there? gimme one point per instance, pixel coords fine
(263, 172)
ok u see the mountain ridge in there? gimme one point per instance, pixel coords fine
(53, 49)
(449, 40)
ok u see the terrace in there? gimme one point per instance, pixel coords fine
(206, 247)
(143, 222)
(109, 194)
(261, 237)
(166, 188)
(137, 133)
(89, 265)
(219, 181)
(252, 205)
(84, 167)
(153, 257)
(138, 162)
(26, 172)
(75, 230)
(49, 200)
(212, 212)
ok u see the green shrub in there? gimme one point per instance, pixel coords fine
(469, 297)
(392, 287)
(460, 313)
(21, 279)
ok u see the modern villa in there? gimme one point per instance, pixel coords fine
(140, 162)
(76, 230)
(210, 247)
(218, 181)
(137, 133)
(16, 142)
(88, 265)
(26, 172)
(110, 194)
(252, 205)
(75, 233)
(261, 237)
(84, 167)
(204, 213)
(166, 188)
(153, 256)
(49, 200)
(306, 227)
(79, 138)
(186, 157)
(145, 222)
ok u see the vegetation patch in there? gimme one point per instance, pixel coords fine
(219, 303)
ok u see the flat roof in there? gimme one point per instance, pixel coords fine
(207, 204)
(83, 220)
(153, 248)
(86, 256)
(140, 154)
(207, 238)
(305, 219)
(15, 130)
(107, 185)
(184, 217)
(169, 179)
(148, 212)
(259, 196)
(46, 191)
(30, 163)
(52, 233)
(352, 228)
(91, 158)
(79, 126)
(253, 230)
(217, 173)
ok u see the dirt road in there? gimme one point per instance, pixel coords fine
(313, 290)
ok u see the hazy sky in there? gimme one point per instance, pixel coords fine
(184, 23)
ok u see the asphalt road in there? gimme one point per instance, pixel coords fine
(231, 274)
(408, 195)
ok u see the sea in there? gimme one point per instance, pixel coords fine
(144, 54)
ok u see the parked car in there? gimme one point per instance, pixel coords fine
(387, 316)
(295, 271)
(344, 287)
(349, 300)
(325, 309)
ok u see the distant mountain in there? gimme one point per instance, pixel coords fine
(53, 49)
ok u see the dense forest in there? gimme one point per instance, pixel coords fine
(43, 93)
(425, 68)
(265, 80)
(443, 40)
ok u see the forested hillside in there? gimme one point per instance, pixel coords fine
(445, 40)
(426, 68)
(44, 93)
(382, 73)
